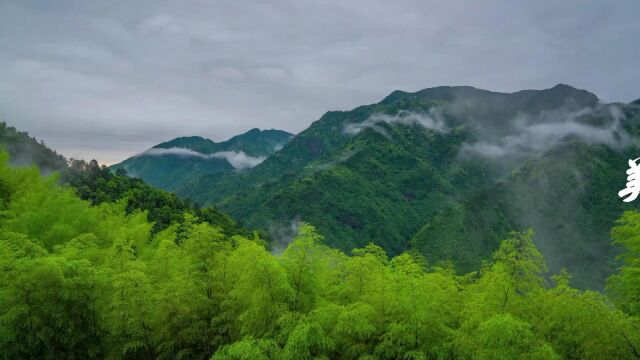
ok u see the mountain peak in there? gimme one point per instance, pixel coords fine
(569, 90)
(395, 94)
(235, 143)
(170, 169)
(559, 96)
(563, 86)
(534, 101)
(188, 142)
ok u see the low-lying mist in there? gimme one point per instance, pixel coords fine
(432, 120)
(529, 134)
(238, 159)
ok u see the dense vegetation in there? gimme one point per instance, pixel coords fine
(575, 180)
(405, 186)
(98, 184)
(83, 281)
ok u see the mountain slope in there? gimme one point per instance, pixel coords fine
(26, 150)
(97, 184)
(380, 172)
(327, 135)
(568, 196)
(171, 164)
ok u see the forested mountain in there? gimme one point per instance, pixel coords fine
(448, 171)
(568, 195)
(98, 185)
(173, 163)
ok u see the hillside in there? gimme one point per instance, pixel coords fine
(98, 185)
(568, 195)
(383, 173)
(171, 164)
(565, 196)
(26, 150)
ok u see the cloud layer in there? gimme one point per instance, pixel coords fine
(239, 160)
(84, 74)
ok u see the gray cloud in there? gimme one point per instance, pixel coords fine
(84, 75)
(239, 160)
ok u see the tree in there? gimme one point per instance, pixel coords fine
(49, 310)
(302, 261)
(505, 337)
(624, 286)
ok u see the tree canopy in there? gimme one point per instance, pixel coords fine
(87, 279)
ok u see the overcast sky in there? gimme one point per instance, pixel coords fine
(108, 79)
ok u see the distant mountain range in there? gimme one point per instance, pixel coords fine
(173, 163)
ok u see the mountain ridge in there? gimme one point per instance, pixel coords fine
(237, 142)
(167, 167)
(380, 172)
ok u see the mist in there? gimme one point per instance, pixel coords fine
(432, 120)
(238, 159)
(537, 133)
(282, 233)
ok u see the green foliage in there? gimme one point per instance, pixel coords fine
(108, 286)
(98, 184)
(506, 337)
(624, 286)
(48, 309)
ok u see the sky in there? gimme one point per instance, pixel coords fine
(109, 79)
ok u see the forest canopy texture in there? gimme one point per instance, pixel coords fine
(88, 279)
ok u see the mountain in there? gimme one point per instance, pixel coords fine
(171, 164)
(568, 196)
(26, 150)
(97, 184)
(448, 171)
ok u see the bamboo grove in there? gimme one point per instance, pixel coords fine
(83, 281)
